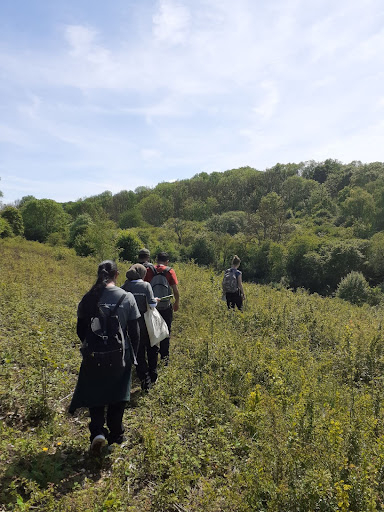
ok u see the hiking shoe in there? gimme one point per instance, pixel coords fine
(97, 444)
(146, 383)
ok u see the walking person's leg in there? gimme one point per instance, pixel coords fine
(238, 301)
(167, 314)
(231, 300)
(96, 427)
(115, 413)
(142, 366)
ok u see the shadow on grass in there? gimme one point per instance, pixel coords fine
(63, 471)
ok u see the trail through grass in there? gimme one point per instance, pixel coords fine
(279, 408)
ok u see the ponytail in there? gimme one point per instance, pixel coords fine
(106, 272)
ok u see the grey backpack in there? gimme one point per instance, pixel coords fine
(161, 287)
(229, 283)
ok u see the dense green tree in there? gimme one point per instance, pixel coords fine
(272, 216)
(298, 267)
(15, 219)
(5, 228)
(154, 209)
(21, 202)
(42, 217)
(367, 173)
(122, 202)
(195, 210)
(229, 222)
(131, 219)
(128, 245)
(320, 200)
(359, 206)
(276, 262)
(234, 188)
(101, 236)
(79, 227)
(320, 171)
(376, 257)
(343, 257)
(202, 251)
(296, 191)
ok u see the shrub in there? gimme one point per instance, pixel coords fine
(354, 288)
(128, 245)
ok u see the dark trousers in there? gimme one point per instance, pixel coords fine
(114, 418)
(234, 299)
(146, 355)
(167, 314)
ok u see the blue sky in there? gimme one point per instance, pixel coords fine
(98, 95)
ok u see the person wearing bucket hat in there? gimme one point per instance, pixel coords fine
(146, 355)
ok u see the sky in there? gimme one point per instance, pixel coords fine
(111, 95)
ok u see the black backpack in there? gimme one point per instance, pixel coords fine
(103, 349)
(161, 287)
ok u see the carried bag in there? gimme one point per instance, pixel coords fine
(230, 284)
(103, 349)
(161, 288)
(156, 326)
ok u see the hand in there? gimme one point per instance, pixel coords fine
(175, 306)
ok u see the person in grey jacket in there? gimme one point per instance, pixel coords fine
(146, 355)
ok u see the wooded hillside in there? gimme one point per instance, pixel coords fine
(301, 225)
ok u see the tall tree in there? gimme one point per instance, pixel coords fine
(42, 217)
(13, 216)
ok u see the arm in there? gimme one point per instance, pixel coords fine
(134, 334)
(240, 284)
(177, 297)
(82, 323)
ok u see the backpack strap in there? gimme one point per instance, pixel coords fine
(104, 316)
(113, 311)
(118, 304)
(157, 273)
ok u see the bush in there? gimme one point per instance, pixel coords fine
(128, 245)
(5, 228)
(354, 288)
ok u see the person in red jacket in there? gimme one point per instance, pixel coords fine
(162, 268)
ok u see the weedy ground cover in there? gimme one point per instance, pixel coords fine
(278, 408)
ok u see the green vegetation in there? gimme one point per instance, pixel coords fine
(300, 225)
(276, 409)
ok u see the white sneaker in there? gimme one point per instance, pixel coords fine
(97, 444)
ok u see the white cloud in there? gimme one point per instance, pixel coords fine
(270, 102)
(81, 39)
(171, 22)
(150, 154)
(184, 86)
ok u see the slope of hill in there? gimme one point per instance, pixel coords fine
(279, 408)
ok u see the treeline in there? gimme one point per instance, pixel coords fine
(301, 225)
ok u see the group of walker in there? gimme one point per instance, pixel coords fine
(106, 392)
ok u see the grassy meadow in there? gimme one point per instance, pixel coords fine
(276, 409)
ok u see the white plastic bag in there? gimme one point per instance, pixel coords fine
(156, 326)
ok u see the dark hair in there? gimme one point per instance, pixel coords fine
(105, 272)
(163, 256)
